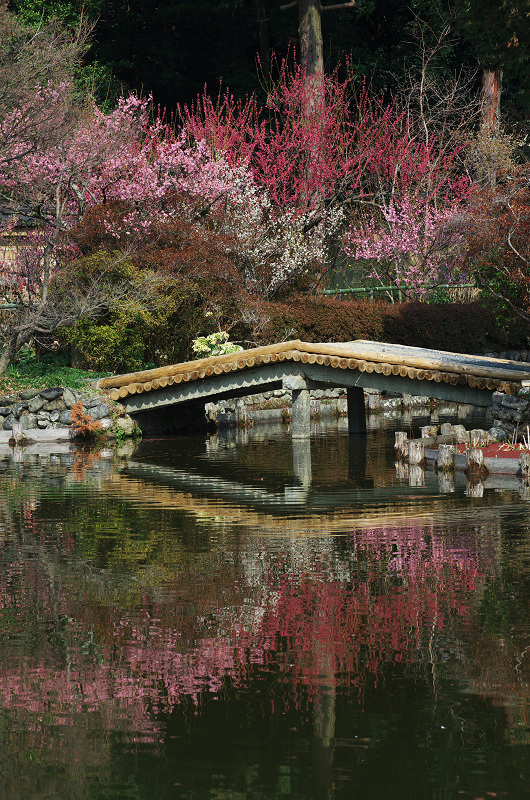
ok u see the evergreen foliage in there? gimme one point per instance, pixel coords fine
(174, 48)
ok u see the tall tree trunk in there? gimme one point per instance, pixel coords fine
(9, 352)
(312, 63)
(491, 100)
(490, 124)
(16, 334)
(263, 32)
(310, 32)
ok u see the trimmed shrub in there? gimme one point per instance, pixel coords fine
(460, 327)
(154, 323)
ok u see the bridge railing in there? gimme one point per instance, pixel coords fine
(442, 292)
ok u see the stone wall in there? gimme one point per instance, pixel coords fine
(45, 409)
(274, 406)
(511, 415)
(511, 355)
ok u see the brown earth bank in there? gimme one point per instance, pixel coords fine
(498, 450)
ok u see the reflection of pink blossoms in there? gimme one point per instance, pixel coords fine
(341, 618)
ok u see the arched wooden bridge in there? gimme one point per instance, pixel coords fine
(301, 366)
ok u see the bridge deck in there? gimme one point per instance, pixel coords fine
(418, 364)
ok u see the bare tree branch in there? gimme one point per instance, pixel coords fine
(436, 105)
(29, 60)
(514, 250)
(337, 6)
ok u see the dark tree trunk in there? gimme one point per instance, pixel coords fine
(311, 56)
(12, 345)
(310, 32)
(490, 123)
(491, 100)
(263, 32)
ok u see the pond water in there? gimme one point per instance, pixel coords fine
(223, 617)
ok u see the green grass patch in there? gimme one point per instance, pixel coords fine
(30, 371)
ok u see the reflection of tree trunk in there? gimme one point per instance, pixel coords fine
(263, 32)
(323, 710)
(491, 100)
(324, 729)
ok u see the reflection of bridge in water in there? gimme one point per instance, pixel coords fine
(163, 394)
(356, 497)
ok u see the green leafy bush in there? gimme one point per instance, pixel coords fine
(135, 327)
(117, 346)
(38, 372)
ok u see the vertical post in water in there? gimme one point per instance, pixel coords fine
(301, 406)
(302, 461)
(17, 432)
(401, 445)
(301, 414)
(356, 412)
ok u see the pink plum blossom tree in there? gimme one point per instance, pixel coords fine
(410, 244)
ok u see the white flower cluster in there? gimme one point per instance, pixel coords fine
(215, 344)
(275, 246)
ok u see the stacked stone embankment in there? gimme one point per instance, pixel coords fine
(511, 415)
(51, 409)
(511, 355)
(275, 406)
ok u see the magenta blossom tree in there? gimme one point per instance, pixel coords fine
(400, 197)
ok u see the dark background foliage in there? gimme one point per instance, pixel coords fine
(174, 48)
(460, 327)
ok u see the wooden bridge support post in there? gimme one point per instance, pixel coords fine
(356, 410)
(401, 445)
(301, 406)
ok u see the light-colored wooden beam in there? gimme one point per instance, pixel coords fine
(372, 354)
(368, 358)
